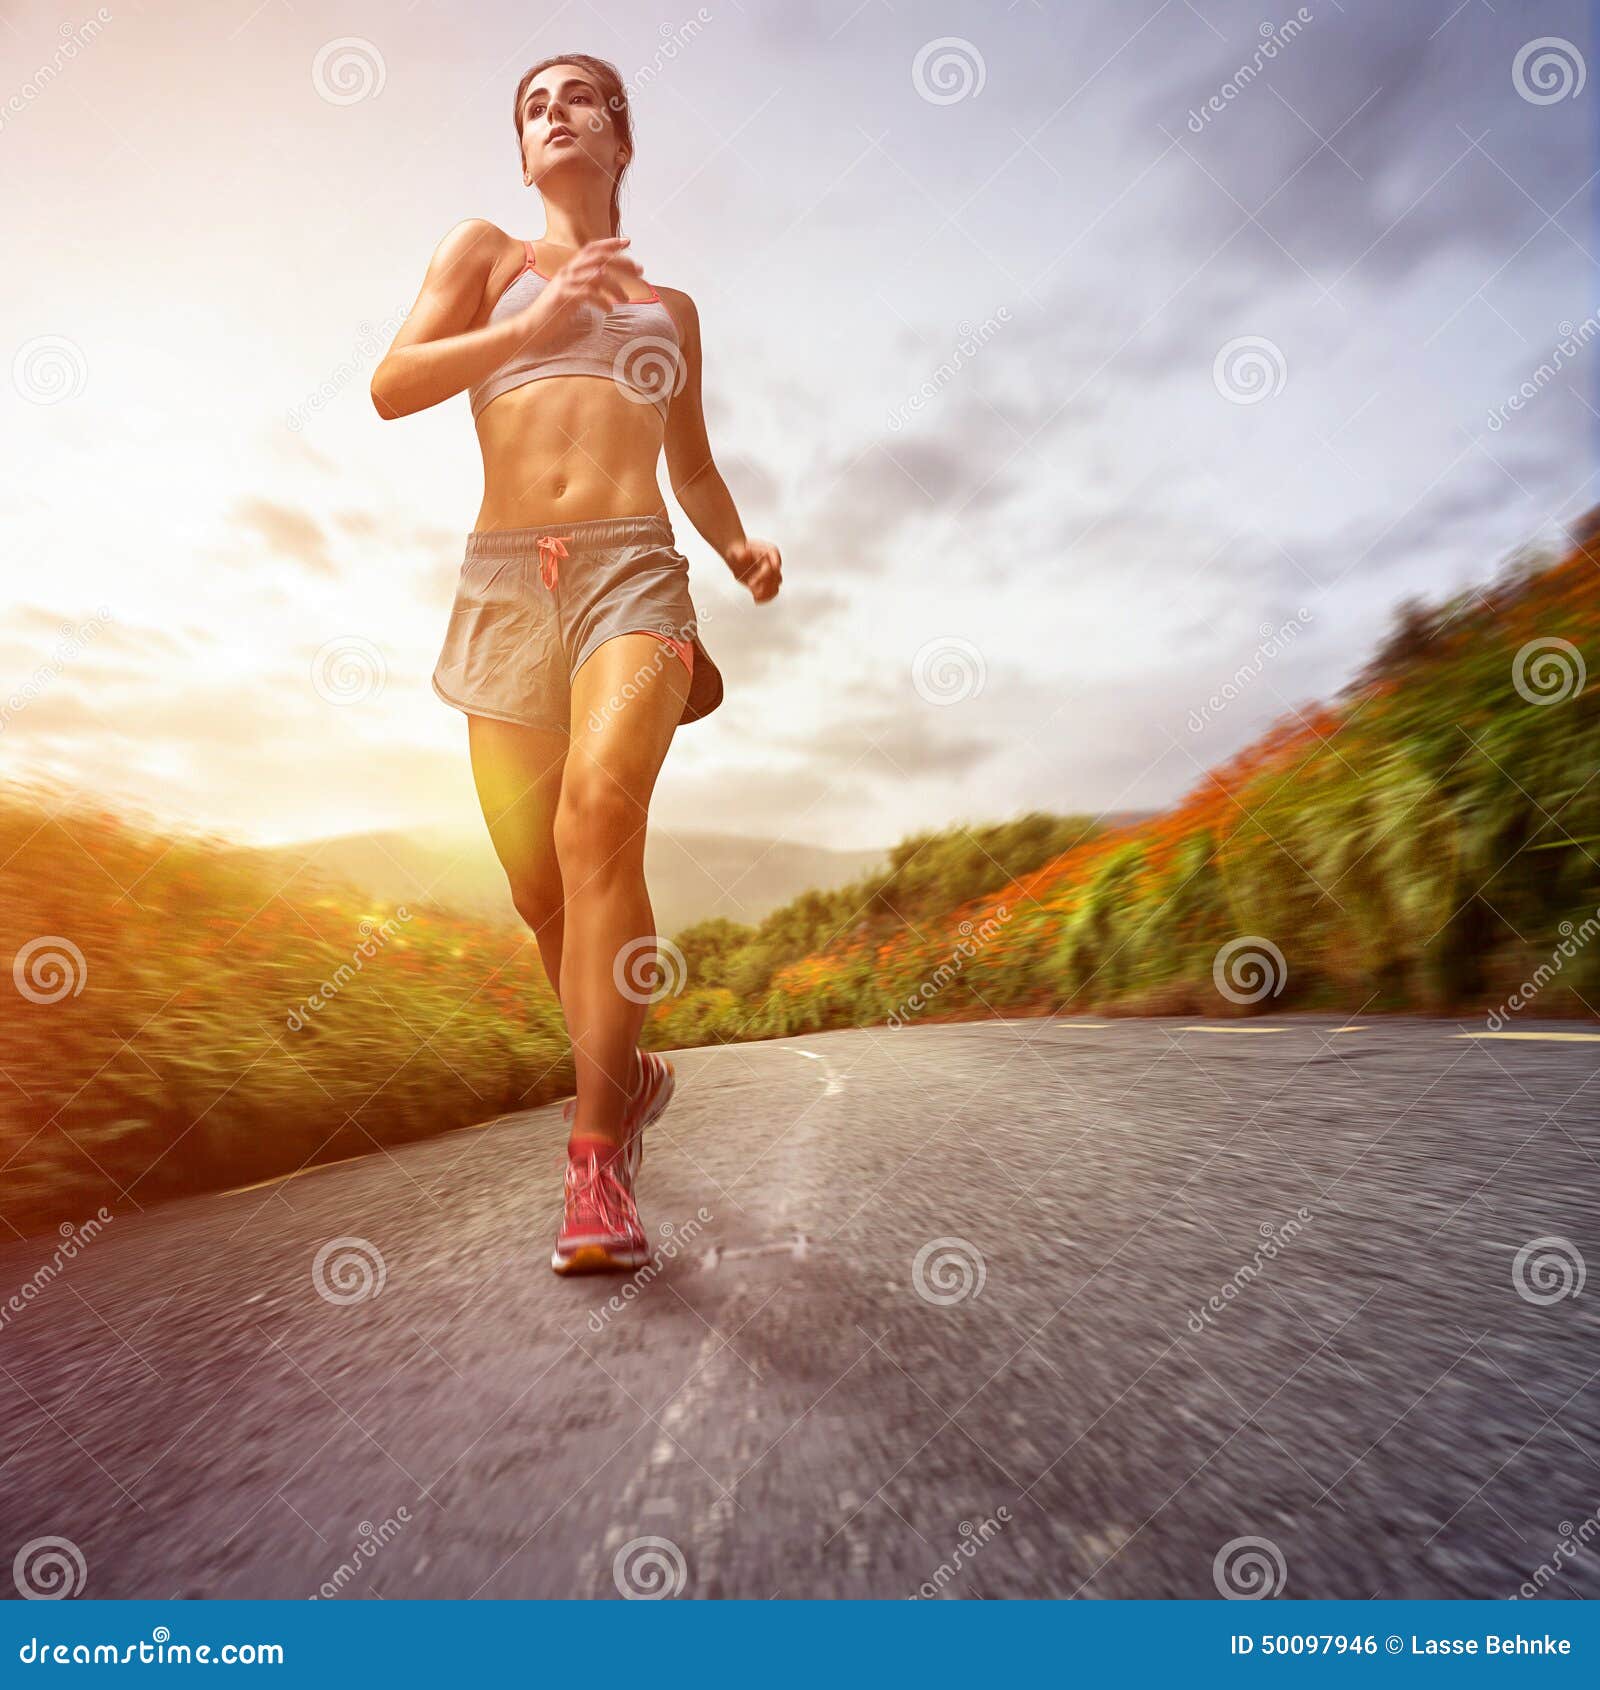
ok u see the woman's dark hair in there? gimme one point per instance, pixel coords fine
(609, 82)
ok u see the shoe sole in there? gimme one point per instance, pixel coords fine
(596, 1258)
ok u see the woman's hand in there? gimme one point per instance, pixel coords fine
(757, 564)
(596, 275)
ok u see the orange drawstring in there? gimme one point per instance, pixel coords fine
(551, 547)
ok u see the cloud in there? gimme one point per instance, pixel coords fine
(799, 801)
(34, 624)
(290, 533)
(1355, 142)
(750, 641)
(1075, 497)
(754, 487)
(912, 743)
(866, 499)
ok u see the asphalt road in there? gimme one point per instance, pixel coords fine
(947, 1328)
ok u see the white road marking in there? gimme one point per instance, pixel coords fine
(835, 1084)
(796, 1248)
(1233, 1029)
(1042, 1021)
(1576, 1038)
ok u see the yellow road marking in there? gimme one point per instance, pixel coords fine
(276, 1179)
(1233, 1029)
(293, 1173)
(1576, 1038)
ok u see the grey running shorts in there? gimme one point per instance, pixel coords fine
(531, 605)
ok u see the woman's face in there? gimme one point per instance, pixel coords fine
(565, 121)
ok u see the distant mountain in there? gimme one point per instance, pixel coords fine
(692, 876)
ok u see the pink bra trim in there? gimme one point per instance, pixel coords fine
(591, 350)
(528, 264)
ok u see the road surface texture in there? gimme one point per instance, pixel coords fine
(1038, 1308)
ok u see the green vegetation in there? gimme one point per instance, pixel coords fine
(1429, 842)
(178, 1021)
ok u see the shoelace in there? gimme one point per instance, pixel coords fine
(551, 548)
(593, 1190)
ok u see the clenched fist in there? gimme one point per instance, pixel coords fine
(758, 565)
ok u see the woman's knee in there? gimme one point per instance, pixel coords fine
(597, 818)
(537, 896)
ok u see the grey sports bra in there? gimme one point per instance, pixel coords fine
(635, 345)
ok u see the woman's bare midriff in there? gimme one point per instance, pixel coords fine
(567, 449)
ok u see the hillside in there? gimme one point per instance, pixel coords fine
(1429, 840)
(692, 877)
(189, 1014)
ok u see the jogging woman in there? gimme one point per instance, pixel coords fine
(573, 644)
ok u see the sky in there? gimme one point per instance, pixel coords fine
(1107, 373)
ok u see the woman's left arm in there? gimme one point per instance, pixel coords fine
(697, 484)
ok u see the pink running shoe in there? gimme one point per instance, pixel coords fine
(600, 1230)
(657, 1081)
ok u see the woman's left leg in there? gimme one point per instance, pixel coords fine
(627, 698)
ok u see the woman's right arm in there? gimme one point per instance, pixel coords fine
(430, 358)
(435, 356)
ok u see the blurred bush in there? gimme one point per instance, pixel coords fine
(1430, 842)
(178, 1020)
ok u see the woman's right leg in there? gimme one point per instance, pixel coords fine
(517, 772)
